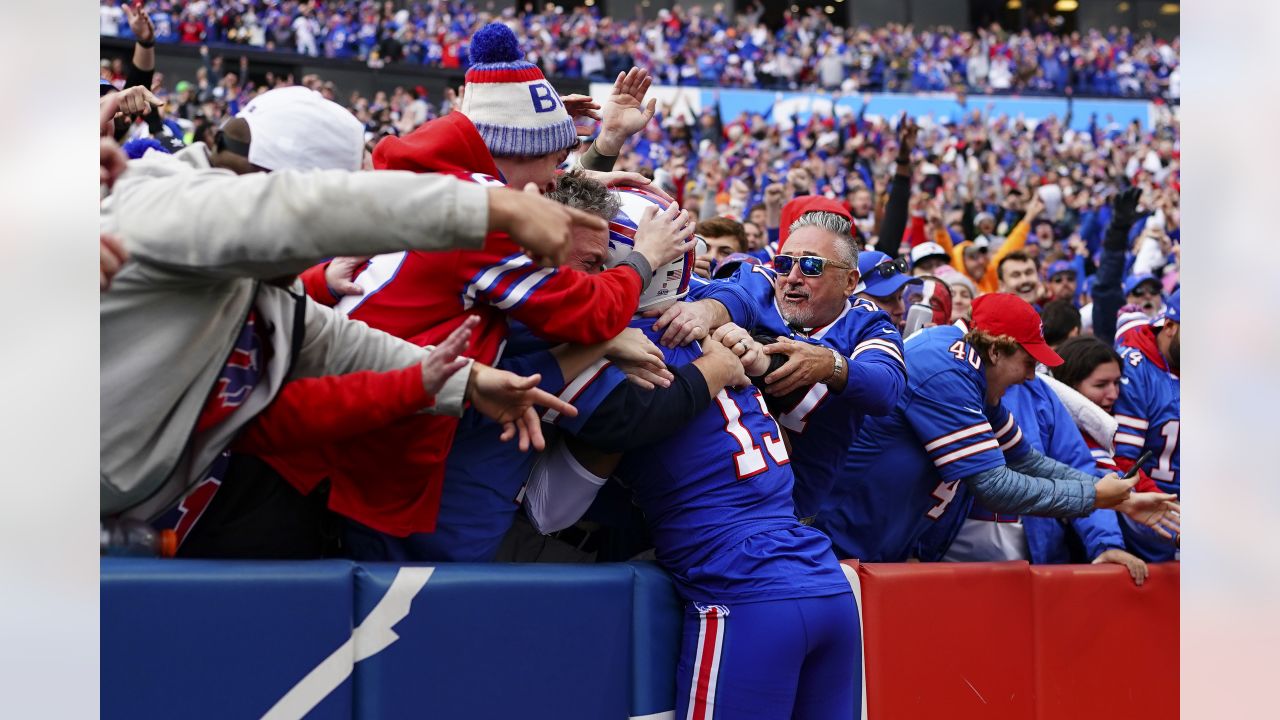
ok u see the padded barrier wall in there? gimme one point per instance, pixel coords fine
(332, 639)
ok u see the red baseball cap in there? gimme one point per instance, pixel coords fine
(807, 204)
(1006, 314)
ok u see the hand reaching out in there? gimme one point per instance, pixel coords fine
(112, 162)
(721, 367)
(773, 197)
(1124, 206)
(445, 359)
(806, 364)
(1158, 511)
(509, 399)
(907, 131)
(581, 106)
(625, 112)
(642, 361)
(341, 272)
(1035, 206)
(112, 257)
(136, 100)
(685, 322)
(750, 353)
(663, 236)
(1135, 565)
(140, 24)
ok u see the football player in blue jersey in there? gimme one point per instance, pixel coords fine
(1148, 410)
(949, 436)
(843, 356)
(717, 497)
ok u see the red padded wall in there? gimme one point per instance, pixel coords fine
(1105, 648)
(950, 640)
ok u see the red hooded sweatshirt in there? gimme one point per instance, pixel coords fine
(391, 478)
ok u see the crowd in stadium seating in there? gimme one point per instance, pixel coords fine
(690, 47)
(742, 346)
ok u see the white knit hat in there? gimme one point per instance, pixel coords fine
(509, 100)
(294, 128)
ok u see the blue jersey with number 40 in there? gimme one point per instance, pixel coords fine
(904, 470)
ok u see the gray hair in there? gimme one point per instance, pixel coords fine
(833, 223)
(580, 192)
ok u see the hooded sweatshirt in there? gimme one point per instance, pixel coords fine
(390, 479)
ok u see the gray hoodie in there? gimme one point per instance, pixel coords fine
(201, 241)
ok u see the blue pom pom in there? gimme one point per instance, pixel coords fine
(135, 149)
(494, 43)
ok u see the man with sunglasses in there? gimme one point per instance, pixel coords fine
(836, 359)
(1145, 292)
(883, 281)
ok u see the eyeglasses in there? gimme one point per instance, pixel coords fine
(1145, 292)
(810, 265)
(889, 268)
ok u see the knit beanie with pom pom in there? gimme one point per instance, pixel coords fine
(509, 100)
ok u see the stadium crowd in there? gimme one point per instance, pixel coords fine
(689, 47)
(467, 334)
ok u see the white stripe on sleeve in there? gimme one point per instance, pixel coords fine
(970, 431)
(1133, 422)
(965, 452)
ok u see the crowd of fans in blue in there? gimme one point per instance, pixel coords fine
(688, 46)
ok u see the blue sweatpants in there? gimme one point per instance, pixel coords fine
(776, 659)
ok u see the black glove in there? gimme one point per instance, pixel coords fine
(1124, 207)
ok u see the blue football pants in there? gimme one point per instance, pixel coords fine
(776, 659)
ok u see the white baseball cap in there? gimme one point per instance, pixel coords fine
(294, 128)
(928, 249)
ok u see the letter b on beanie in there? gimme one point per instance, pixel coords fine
(510, 102)
(544, 100)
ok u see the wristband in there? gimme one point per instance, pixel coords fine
(146, 45)
(904, 159)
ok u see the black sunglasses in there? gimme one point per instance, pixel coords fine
(810, 265)
(889, 268)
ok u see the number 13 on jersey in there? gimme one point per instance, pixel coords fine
(750, 461)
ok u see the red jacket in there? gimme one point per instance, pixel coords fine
(422, 297)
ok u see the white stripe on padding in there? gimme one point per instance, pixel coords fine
(373, 636)
(668, 715)
(852, 576)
